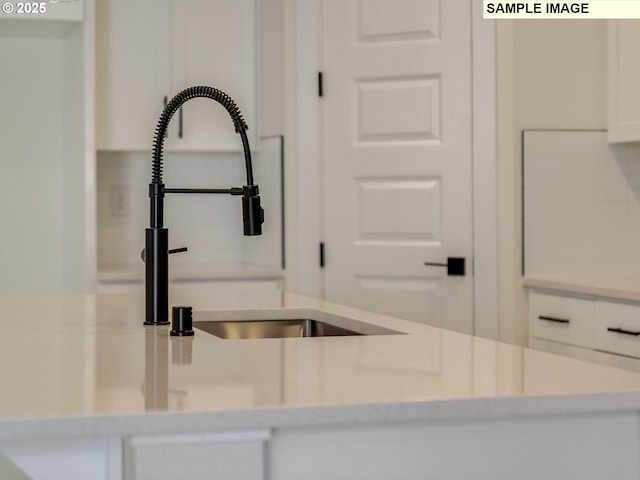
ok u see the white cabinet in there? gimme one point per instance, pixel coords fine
(223, 456)
(599, 329)
(618, 328)
(132, 71)
(213, 43)
(623, 81)
(561, 319)
(238, 455)
(558, 447)
(149, 50)
(77, 459)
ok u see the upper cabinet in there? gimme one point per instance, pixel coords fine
(624, 81)
(132, 71)
(149, 50)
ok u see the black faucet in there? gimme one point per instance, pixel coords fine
(156, 252)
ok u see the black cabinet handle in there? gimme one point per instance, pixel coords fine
(553, 319)
(623, 331)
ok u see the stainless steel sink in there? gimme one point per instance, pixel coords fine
(284, 323)
(297, 327)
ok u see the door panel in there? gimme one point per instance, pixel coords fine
(397, 148)
(399, 109)
(379, 200)
(398, 19)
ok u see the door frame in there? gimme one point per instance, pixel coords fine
(309, 165)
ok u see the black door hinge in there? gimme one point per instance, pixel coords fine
(321, 254)
(320, 84)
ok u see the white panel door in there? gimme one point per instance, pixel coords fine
(397, 148)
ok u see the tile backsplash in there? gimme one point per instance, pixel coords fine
(581, 203)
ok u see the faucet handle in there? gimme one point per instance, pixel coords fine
(143, 253)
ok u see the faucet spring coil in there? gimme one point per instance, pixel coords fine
(174, 105)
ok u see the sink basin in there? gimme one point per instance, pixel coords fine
(284, 323)
(300, 327)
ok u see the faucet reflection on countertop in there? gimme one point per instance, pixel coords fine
(156, 251)
(155, 388)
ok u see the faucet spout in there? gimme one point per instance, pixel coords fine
(156, 253)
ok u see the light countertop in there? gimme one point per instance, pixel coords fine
(86, 366)
(615, 286)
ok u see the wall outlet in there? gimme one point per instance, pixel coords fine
(119, 201)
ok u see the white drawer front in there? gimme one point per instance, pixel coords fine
(618, 328)
(562, 319)
(213, 456)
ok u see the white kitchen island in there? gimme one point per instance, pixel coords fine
(88, 392)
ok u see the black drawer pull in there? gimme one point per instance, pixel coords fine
(621, 330)
(553, 319)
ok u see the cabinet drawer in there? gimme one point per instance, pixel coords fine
(214, 456)
(71, 459)
(618, 328)
(562, 319)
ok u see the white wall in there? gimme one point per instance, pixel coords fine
(582, 214)
(551, 75)
(45, 157)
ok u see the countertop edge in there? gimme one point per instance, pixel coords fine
(619, 288)
(177, 423)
